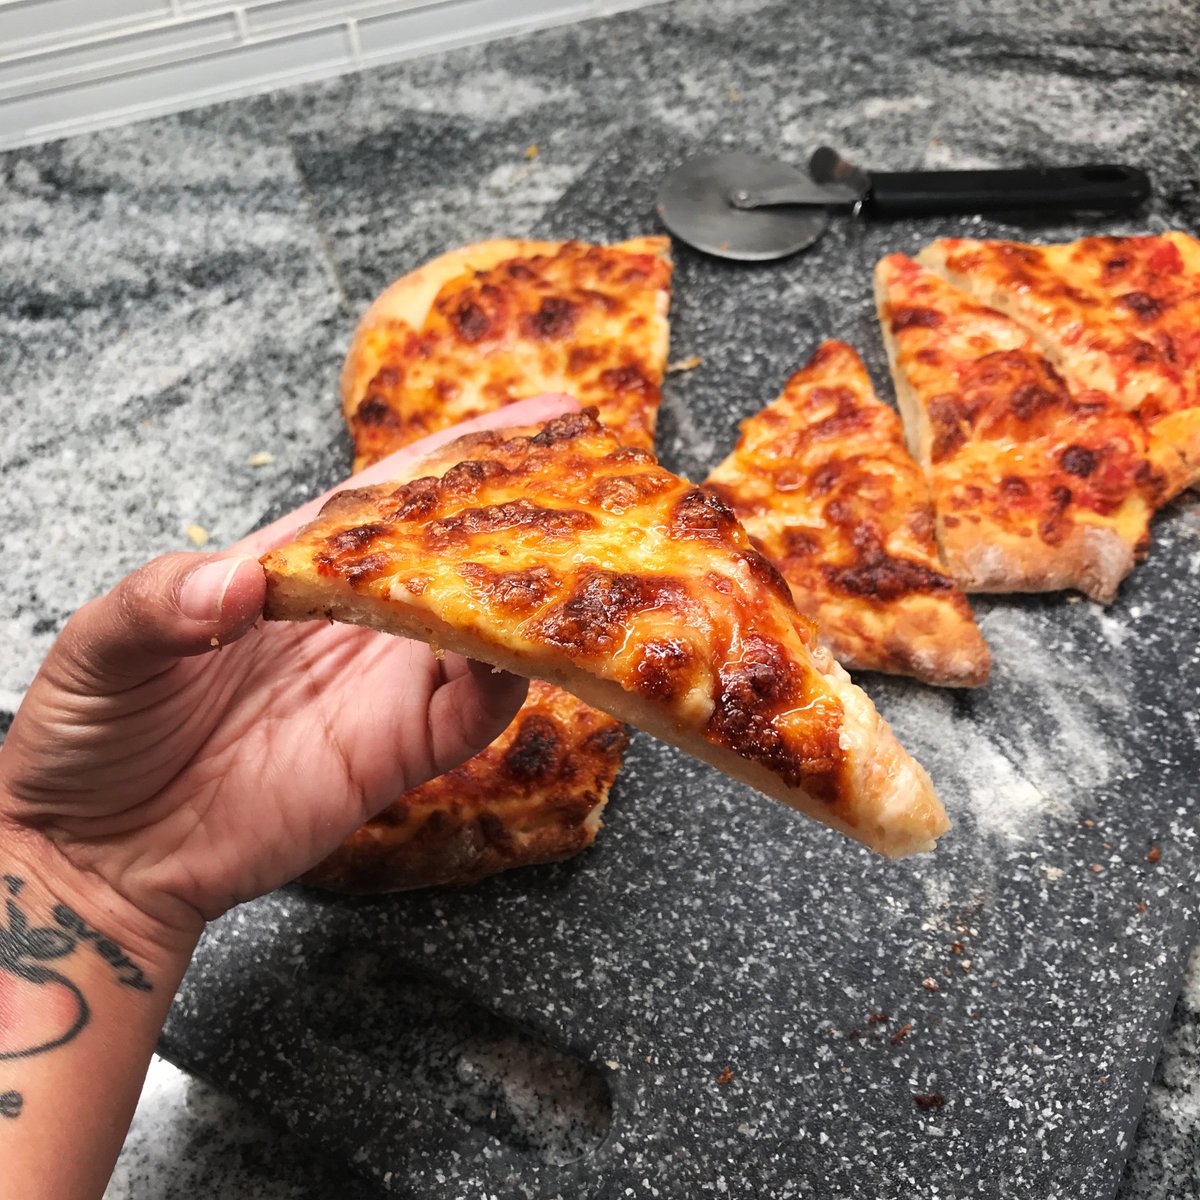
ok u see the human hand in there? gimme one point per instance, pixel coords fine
(176, 756)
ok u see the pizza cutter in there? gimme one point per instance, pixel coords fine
(743, 206)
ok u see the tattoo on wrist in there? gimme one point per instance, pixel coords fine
(40, 1008)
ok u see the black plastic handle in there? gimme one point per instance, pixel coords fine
(1100, 187)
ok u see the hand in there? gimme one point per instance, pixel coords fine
(180, 756)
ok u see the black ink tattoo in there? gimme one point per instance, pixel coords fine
(10, 1105)
(40, 1008)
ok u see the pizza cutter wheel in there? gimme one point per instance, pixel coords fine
(743, 206)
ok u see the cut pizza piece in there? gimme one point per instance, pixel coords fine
(823, 484)
(562, 555)
(489, 324)
(1035, 488)
(1120, 315)
(535, 795)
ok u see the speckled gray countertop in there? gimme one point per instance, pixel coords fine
(173, 296)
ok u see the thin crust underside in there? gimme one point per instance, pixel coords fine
(822, 482)
(565, 557)
(1036, 487)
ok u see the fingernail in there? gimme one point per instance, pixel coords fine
(204, 589)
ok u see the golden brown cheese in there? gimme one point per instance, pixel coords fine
(535, 795)
(822, 482)
(1120, 315)
(564, 555)
(1036, 488)
(488, 325)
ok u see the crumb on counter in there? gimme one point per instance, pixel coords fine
(261, 458)
(197, 535)
(684, 364)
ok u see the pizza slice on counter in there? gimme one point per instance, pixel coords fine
(1036, 488)
(562, 555)
(1120, 315)
(822, 482)
(534, 795)
(489, 324)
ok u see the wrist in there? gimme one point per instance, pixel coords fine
(108, 933)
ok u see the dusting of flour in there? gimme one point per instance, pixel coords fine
(1033, 746)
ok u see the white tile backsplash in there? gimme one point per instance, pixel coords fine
(71, 65)
(113, 54)
(24, 23)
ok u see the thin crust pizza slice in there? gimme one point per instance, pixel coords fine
(1120, 315)
(489, 324)
(535, 795)
(1036, 488)
(562, 555)
(823, 483)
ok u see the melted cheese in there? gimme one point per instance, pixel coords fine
(1118, 315)
(821, 480)
(587, 321)
(1021, 468)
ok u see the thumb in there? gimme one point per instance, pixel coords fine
(174, 607)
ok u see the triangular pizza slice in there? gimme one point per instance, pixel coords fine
(822, 482)
(486, 325)
(1036, 488)
(1120, 315)
(563, 555)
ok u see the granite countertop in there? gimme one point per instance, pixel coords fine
(151, 274)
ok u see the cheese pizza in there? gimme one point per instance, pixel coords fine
(563, 555)
(1036, 488)
(822, 482)
(535, 795)
(485, 325)
(1120, 315)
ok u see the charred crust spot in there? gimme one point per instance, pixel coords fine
(349, 541)
(535, 752)
(1115, 265)
(825, 478)
(618, 493)
(397, 813)
(610, 741)
(1144, 307)
(375, 412)
(512, 591)
(554, 319)
(1078, 461)
(579, 358)
(1014, 487)
(799, 543)
(469, 320)
(766, 573)
(516, 269)
(946, 421)
(493, 831)
(513, 514)
(700, 513)
(627, 378)
(750, 692)
(592, 620)
(1055, 525)
(907, 316)
(355, 570)
(1029, 398)
(662, 668)
(416, 499)
(567, 427)
(466, 478)
(878, 575)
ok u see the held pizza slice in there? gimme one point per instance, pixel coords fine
(489, 324)
(822, 482)
(1117, 314)
(1035, 488)
(565, 556)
